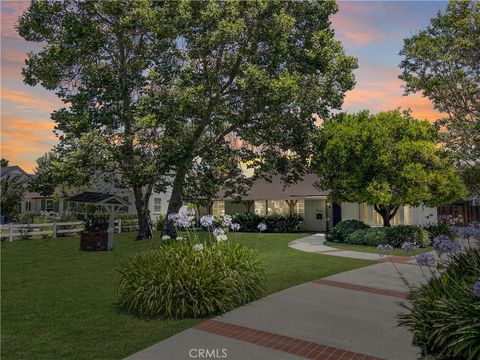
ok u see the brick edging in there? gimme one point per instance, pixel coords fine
(368, 289)
(306, 349)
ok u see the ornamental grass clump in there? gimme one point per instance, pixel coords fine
(445, 318)
(187, 279)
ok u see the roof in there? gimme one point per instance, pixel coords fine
(96, 197)
(12, 170)
(277, 190)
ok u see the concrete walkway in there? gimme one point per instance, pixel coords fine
(351, 315)
(315, 243)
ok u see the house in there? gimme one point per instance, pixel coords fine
(35, 202)
(305, 199)
(13, 171)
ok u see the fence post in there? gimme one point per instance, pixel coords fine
(119, 226)
(54, 231)
(10, 232)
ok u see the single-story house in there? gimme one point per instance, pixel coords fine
(305, 199)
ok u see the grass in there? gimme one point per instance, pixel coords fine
(59, 303)
(373, 249)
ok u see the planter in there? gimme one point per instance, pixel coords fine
(94, 240)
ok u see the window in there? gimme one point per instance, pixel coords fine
(260, 207)
(157, 205)
(28, 206)
(300, 207)
(218, 208)
(49, 205)
(364, 213)
(407, 215)
(278, 207)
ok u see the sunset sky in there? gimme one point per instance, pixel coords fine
(371, 31)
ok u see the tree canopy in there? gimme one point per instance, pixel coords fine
(152, 89)
(443, 63)
(387, 160)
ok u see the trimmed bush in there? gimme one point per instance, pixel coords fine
(177, 281)
(357, 237)
(345, 228)
(376, 236)
(275, 223)
(398, 234)
(445, 315)
(443, 228)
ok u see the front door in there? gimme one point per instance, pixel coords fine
(315, 215)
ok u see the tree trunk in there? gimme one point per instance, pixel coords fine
(386, 212)
(175, 202)
(143, 213)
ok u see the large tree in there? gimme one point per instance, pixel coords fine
(12, 188)
(443, 63)
(257, 70)
(96, 56)
(386, 160)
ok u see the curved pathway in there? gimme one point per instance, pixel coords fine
(351, 315)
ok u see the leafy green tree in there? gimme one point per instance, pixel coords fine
(256, 70)
(12, 189)
(45, 181)
(96, 55)
(386, 160)
(4, 162)
(442, 62)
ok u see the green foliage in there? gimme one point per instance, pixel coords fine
(12, 189)
(160, 223)
(376, 236)
(4, 162)
(441, 62)
(357, 237)
(388, 160)
(275, 222)
(442, 228)
(344, 228)
(444, 317)
(398, 234)
(177, 281)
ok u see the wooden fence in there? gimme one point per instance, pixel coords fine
(25, 231)
(54, 229)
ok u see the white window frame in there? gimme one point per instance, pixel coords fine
(157, 208)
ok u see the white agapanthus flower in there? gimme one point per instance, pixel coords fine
(179, 238)
(198, 247)
(165, 237)
(221, 238)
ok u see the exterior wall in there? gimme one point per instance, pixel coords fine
(316, 217)
(421, 215)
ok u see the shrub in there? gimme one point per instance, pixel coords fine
(275, 222)
(397, 235)
(177, 281)
(444, 318)
(334, 235)
(160, 222)
(357, 237)
(443, 228)
(376, 236)
(345, 228)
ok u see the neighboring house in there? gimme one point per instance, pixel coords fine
(305, 199)
(13, 171)
(35, 202)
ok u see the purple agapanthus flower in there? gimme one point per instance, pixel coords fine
(180, 220)
(407, 246)
(467, 232)
(476, 289)
(235, 226)
(262, 227)
(426, 259)
(227, 220)
(443, 244)
(206, 220)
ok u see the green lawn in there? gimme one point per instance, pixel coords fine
(59, 303)
(373, 249)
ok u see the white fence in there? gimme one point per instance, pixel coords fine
(12, 231)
